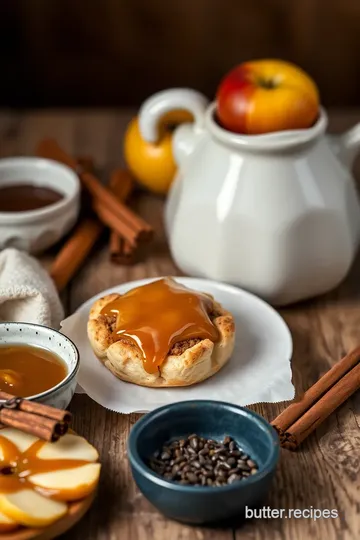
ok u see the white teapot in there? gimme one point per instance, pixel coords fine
(277, 214)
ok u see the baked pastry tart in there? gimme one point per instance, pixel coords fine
(161, 334)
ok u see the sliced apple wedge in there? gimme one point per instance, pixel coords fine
(22, 440)
(7, 524)
(68, 484)
(31, 509)
(69, 447)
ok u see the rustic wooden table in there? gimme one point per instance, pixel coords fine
(324, 474)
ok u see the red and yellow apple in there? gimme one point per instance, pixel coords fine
(266, 95)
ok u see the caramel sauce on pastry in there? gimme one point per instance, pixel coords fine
(160, 314)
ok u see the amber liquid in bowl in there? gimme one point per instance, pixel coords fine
(25, 197)
(26, 370)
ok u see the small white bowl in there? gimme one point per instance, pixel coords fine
(17, 333)
(36, 230)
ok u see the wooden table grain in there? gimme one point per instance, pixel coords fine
(324, 474)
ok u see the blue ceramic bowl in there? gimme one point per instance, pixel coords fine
(212, 419)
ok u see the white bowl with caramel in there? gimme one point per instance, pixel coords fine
(39, 202)
(37, 363)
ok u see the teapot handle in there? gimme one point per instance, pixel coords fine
(161, 103)
(348, 144)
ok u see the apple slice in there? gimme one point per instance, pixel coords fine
(7, 524)
(31, 509)
(69, 447)
(22, 440)
(68, 484)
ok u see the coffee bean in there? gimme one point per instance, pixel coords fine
(233, 478)
(194, 443)
(219, 483)
(243, 466)
(191, 477)
(175, 469)
(197, 461)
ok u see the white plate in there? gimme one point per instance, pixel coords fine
(259, 370)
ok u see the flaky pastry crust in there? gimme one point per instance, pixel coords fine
(188, 362)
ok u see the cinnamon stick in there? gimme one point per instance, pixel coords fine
(109, 210)
(33, 407)
(39, 420)
(74, 252)
(121, 250)
(121, 184)
(44, 428)
(115, 223)
(308, 422)
(113, 212)
(329, 392)
(313, 394)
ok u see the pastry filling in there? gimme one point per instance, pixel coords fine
(161, 318)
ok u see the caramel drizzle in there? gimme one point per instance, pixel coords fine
(160, 314)
(16, 466)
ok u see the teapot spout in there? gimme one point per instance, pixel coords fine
(347, 145)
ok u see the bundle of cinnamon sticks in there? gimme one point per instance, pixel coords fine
(107, 209)
(301, 418)
(40, 420)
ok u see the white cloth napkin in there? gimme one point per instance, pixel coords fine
(27, 293)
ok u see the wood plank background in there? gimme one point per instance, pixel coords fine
(118, 52)
(325, 473)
